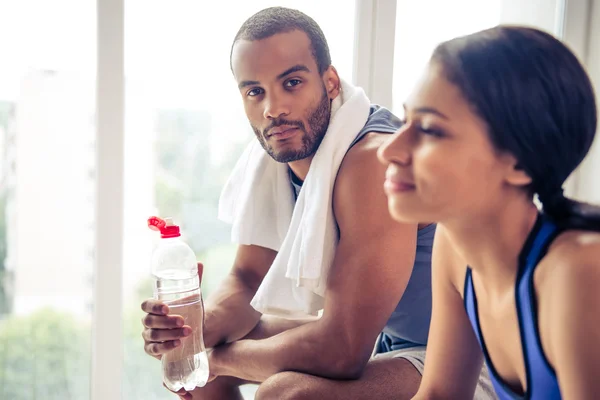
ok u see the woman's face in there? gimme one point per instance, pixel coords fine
(441, 163)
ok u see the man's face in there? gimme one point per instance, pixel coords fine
(287, 101)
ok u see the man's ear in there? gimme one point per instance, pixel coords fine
(515, 174)
(332, 82)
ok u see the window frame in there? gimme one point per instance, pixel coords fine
(575, 30)
(107, 318)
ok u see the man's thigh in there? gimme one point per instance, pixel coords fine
(385, 378)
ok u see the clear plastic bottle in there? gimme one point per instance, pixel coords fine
(177, 284)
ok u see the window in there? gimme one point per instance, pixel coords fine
(46, 198)
(422, 25)
(185, 129)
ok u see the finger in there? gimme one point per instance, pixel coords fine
(163, 321)
(200, 270)
(182, 393)
(163, 335)
(156, 307)
(156, 349)
(211, 377)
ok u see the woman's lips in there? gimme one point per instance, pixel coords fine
(397, 186)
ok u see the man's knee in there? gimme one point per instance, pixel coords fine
(284, 386)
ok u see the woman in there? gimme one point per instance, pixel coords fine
(502, 116)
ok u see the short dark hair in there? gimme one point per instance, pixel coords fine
(274, 20)
(538, 103)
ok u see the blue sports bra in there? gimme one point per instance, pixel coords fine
(541, 378)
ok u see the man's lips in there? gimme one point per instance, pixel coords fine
(282, 132)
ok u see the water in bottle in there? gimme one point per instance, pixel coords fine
(177, 284)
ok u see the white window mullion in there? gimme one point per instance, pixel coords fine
(578, 33)
(374, 49)
(107, 343)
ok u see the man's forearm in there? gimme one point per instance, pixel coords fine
(304, 349)
(229, 316)
(228, 313)
(270, 326)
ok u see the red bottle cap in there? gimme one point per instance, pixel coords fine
(164, 226)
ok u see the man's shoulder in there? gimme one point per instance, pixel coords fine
(360, 167)
(366, 148)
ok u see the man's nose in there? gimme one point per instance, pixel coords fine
(276, 106)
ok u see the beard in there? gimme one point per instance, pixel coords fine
(318, 122)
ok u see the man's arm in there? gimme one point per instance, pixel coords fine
(270, 326)
(371, 269)
(454, 358)
(228, 314)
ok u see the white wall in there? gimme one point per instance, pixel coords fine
(588, 175)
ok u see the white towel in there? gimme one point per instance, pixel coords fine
(258, 200)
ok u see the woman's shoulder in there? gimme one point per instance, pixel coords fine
(572, 256)
(567, 283)
(573, 250)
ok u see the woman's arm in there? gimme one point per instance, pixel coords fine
(454, 358)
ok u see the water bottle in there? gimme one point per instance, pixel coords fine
(177, 284)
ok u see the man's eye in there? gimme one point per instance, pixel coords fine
(292, 82)
(254, 92)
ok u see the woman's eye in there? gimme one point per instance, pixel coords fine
(415, 124)
(431, 131)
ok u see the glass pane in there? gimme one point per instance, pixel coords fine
(185, 128)
(422, 25)
(47, 101)
(542, 14)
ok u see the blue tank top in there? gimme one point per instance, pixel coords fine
(541, 378)
(408, 325)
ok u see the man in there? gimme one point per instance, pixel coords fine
(280, 60)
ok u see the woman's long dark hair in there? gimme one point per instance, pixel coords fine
(538, 103)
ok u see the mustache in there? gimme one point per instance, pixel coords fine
(280, 121)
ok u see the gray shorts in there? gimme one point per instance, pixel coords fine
(416, 356)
